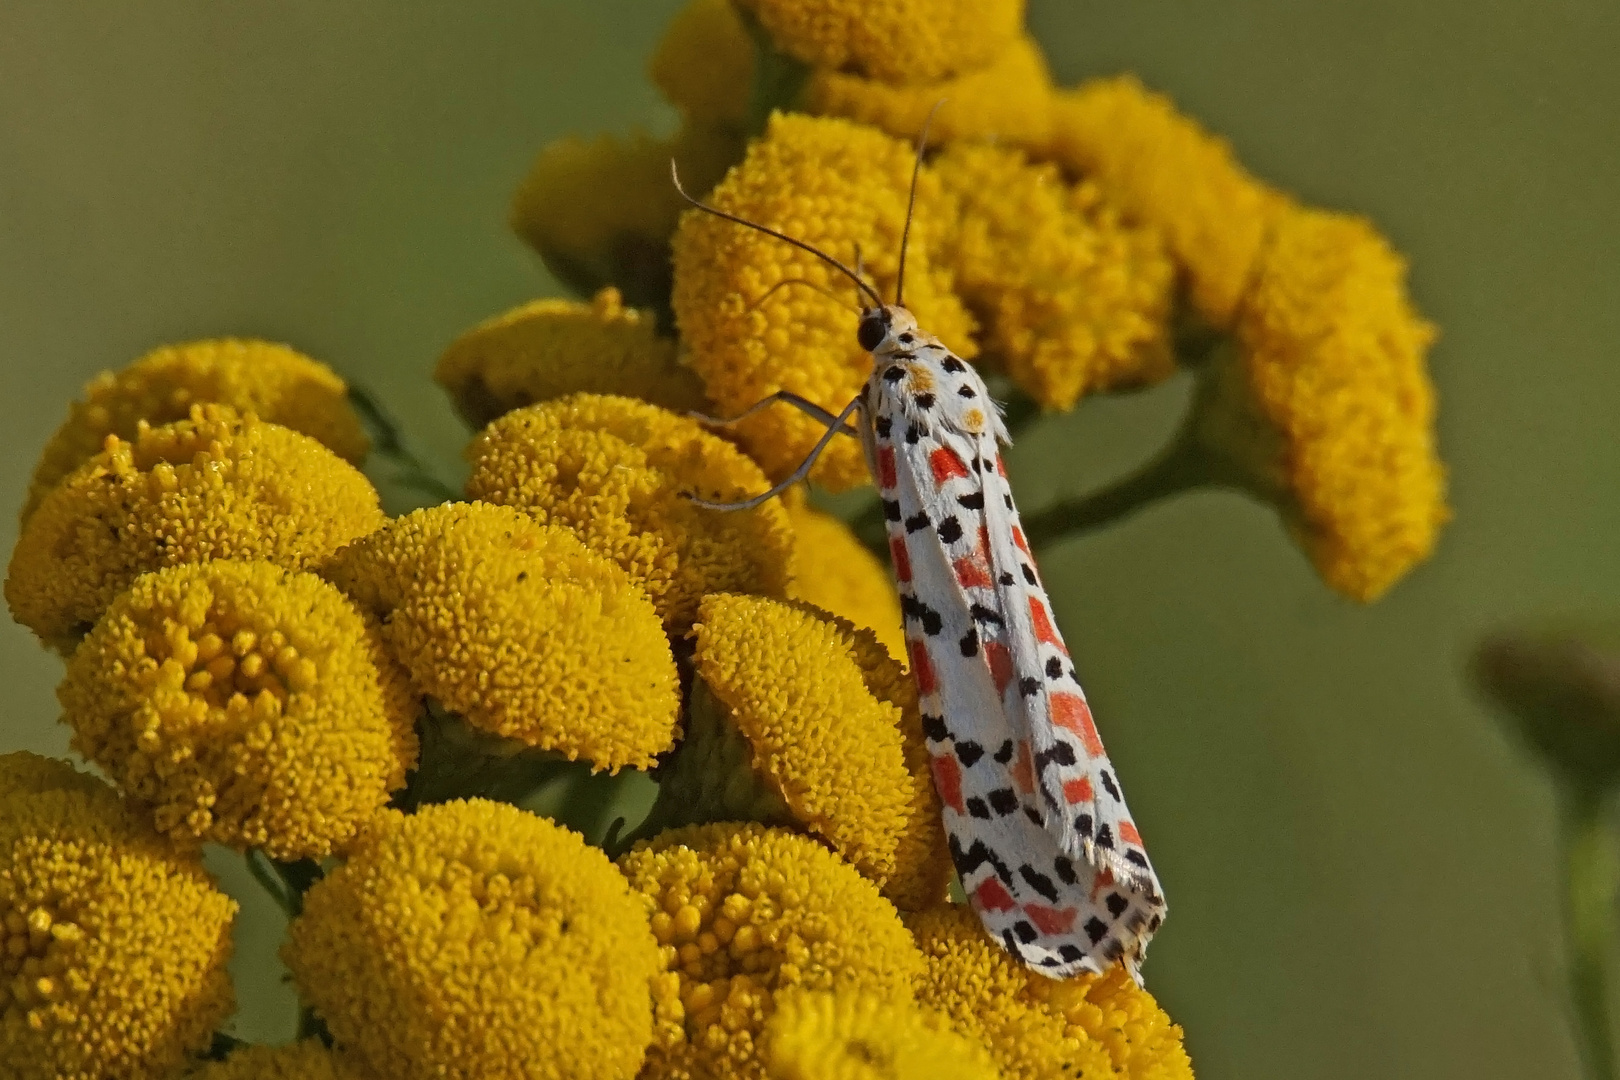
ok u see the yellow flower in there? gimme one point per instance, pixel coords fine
(833, 184)
(1335, 359)
(901, 41)
(827, 736)
(1008, 99)
(246, 704)
(1098, 1027)
(1170, 174)
(704, 63)
(838, 573)
(279, 384)
(616, 472)
(1072, 298)
(742, 912)
(855, 1035)
(113, 963)
(520, 630)
(307, 1060)
(600, 211)
(216, 486)
(474, 939)
(548, 348)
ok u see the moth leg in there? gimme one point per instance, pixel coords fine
(835, 426)
(804, 405)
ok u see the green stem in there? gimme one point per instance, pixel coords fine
(1180, 467)
(389, 443)
(1591, 878)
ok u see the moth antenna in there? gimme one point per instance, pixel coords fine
(911, 201)
(790, 281)
(877, 301)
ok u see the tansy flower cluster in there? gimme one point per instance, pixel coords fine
(411, 720)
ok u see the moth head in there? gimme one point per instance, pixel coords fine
(889, 323)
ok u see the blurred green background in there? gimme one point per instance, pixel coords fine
(1361, 867)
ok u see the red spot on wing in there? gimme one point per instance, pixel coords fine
(1001, 467)
(1071, 711)
(947, 464)
(1127, 832)
(984, 543)
(922, 667)
(1023, 770)
(885, 467)
(972, 573)
(1051, 920)
(948, 781)
(999, 657)
(1018, 538)
(901, 558)
(992, 895)
(1044, 630)
(1104, 878)
(1078, 791)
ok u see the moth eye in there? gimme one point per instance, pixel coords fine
(871, 333)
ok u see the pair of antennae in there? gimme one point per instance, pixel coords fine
(860, 282)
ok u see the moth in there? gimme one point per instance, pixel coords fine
(1038, 828)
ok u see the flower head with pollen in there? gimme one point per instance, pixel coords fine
(1170, 174)
(617, 473)
(247, 704)
(215, 486)
(1334, 356)
(279, 384)
(1072, 298)
(520, 630)
(1009, 99)
(825, 733)
(115, 942)
(474, 939)
(307, 1060)
(855, 1035)
(742, 913)
(838, 573)
(549, 348)
(1101, 1027)
(901, 41)
(600, 211)
(759, 315)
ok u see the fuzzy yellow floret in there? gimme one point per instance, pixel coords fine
(838, 573)
(741, 913)
(1336, 360)
(549, 348)
(278, 383)
(617, 472)
(1072, 298)
(1008, 99)
(1170, 174)
(1099, 1027)
(520, 630)
(215, 486)
(901, 41)
(474, 939)
(246, 704)
(833, 750)
(600, 211)
(307, 1060)
(704, 63)
(833, 184)
(854, 1035)
(115, 942)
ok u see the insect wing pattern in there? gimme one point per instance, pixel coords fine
(1038, 829)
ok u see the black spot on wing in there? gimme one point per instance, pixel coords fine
(1039, 882)
(916, 522)
(953, 365)
(973, 500)
(950, 530)
(934, 728)
(924, 401)
(968, 753)
(1005, 752)
(970, 642)
(883, 425)
(891, 509)
(893, 373)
